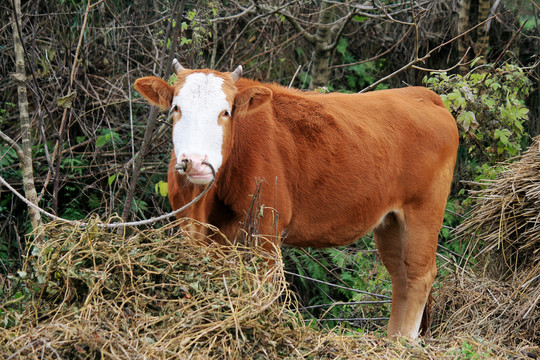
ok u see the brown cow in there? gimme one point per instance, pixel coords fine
(337, 167)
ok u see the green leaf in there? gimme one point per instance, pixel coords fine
(102, 140)
(359, 18)
(454, 95)
(162, 188)
(111, 179)
(495, 86)
(342, 46)
(468, 120)
(66, 101)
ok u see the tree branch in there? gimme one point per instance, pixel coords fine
(309, 37)
(65, 117)
(12, 143)
(152, 117)
(246, 27)
(376, 56)
(24, 153)
(236, 16)
(422, 59)
(338, 29)
(291, 19)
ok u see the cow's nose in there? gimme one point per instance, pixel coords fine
(192, 163)
(182, 165)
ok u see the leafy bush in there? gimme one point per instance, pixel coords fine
(359, 75)
(357, 267)
(489, 107)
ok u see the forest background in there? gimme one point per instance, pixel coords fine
(76, 138)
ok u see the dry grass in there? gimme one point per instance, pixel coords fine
(500, 300)
(90, 293)
(505, 221)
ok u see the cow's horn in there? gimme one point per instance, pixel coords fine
(237, 74)
(177, 67)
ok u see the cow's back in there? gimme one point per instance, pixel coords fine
(342, 161)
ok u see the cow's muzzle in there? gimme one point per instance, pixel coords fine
(183, 165)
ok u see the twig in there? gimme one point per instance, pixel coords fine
(130, 102)
(372, 302)
(176, 15)
(12, 143)
(459, 63)
(510, 42)
(236, 16)
(376, 56)
(422, 59)
(337, 286)
(294, 76)
(118, 224)
(63, 126)
(225, 53)
(352, 319)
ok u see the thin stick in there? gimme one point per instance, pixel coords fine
(294, 76)
(337, 286)
(422, 59)
(117, 224)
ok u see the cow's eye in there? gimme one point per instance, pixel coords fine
(226, 113)
(174, 108)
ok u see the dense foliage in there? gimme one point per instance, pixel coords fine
(489, 106)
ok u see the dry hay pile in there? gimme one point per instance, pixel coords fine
(89, 293)
(503, 301)
(146, 295)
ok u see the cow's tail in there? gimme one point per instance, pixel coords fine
(426, 317)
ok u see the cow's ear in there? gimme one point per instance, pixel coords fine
(252, 98)
(156, 91)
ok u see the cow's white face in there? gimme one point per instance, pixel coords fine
(201, 113)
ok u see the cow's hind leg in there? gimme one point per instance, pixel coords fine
(407, 246)
(389, 240)
(419, 252)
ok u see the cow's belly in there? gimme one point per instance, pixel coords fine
(343, 236)
(329, 231)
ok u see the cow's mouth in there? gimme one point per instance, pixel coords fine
(199, 178)
(197, 173)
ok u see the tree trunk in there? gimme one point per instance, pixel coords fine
(463, 25)
(26, 158)
(320, 73)
(482, 44)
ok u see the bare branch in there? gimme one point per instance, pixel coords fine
(241, 33)
(337, 30)
(291, 19)
(176, 13)
(25, 152)
(12, 143)
(65, 117)
(236, 16)
(423, 58)
(337, 286)
(116, 225)
(376, 56)
(459, 63)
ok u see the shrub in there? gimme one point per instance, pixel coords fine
(489, 107)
